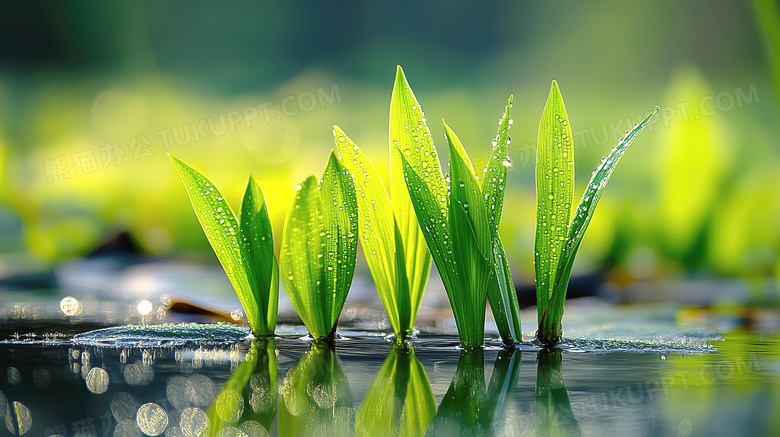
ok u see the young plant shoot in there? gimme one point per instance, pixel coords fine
(458, 217)
(558, 237)
(319, 248)
(392, 241)
(245, 249)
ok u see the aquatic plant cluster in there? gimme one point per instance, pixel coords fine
(452, 219)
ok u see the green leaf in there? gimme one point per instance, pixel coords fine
(551, 327)
(433, 219)
(400, 400)
(222, 231)
(493, 180)
(503, 297)
(410, 134)
(319, 248)
(263, 272)
(378, 231)
(554, 192)
(471, 244)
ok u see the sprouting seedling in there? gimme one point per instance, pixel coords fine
(245, 249)
(558, 237)
(319, 247)
(392, 242)
(459, 219)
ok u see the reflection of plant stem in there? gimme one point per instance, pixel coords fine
(553, 408)
(315, 397)
(468, 407)
(400, 400)
(250, 393)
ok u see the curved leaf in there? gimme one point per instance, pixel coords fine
(550, 326)
(222, 231)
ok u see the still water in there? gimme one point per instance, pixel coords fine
(364, 385)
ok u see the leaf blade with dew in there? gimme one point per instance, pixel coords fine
(341, 235)
(493, 181)
(255, 229)
(409, 132)
(471, 243)
(377, 231)
(502, 296)
(221, 228)
(301, 268)
(433, 222)
(580, 222)
(554, 193)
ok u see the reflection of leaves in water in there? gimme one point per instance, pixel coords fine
(400, 400)
(316, 397)
(553, 408)
(468, 407)
(254, 384)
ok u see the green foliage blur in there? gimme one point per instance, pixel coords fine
(92, 97)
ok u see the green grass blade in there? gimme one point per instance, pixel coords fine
(503, 297)
(493, 180)
(433, 220)
(409, 133)
(255, 229)
(319, 246)
(341, 235)
(377, 231)
(579, 225)
(471, 244)
(554, 192)
(301, 259)
(222, 231)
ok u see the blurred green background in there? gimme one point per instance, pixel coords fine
(93, 95)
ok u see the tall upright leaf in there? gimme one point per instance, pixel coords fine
(550, 320)
(255, 228)
(502, 294)
(409, 133)
(378, 230)
(245, 252)
(554, 193)
(319, 248)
